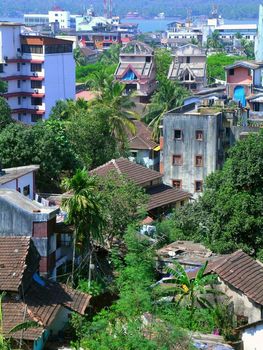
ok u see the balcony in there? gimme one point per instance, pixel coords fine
(23, 77)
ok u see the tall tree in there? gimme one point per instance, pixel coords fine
(5, 113)
(84, 209)
(168, 96)
(118, 107)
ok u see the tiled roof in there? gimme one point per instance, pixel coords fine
(14, 173)
(15, 313)
(242, 272)
(245, 64)
(86, 95)
(164, 195)
(134, 172)
(197, 69)
(143, 138)
(136, 48)
(16, 264)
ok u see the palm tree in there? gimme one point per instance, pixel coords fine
(84, 209)
(214, 40)
(191, 291)
(118, 107)
(79, 57)
(98, 80)
(168, 96)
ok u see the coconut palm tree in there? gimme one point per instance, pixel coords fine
(191, 292)
(168, 96)
(118, 107)
(84, 210)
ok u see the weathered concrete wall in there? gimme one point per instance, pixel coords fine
(242, 305)
(189, 147)
(14, 221)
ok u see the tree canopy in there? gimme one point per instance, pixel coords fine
(229, 214)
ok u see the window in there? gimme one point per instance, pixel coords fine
(19, 118)
(26, 190)
(231, 71)
(199, 160)
(19, 100)
(256, 106)
(198, 186)
(18, 83)
(182, 203)
(148, 59)
(177, 159)
(36, 101)
(32, 49)
(61, 48)
(177, 184)
(199, 135)
(35, 118)
(1, 68)
(36, 84)
(36, 67)
(178, 134)
(18, 67)
(188, 59)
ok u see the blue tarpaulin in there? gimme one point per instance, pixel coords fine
(130, 75)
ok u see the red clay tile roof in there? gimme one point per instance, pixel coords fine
(143, 138)
(164, 195)
(240, 271)
(134, 172)
(15, 313)
(86, 95)
(16, 264)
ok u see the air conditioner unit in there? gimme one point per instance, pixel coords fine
(34, 74)
(36, 91)
(36, 107)
(5, 58)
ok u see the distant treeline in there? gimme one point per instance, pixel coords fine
(235, 9)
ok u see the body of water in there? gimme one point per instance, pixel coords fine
(147, 25)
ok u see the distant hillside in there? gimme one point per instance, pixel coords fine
(234, 9)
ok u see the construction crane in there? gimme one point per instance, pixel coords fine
(107, 8)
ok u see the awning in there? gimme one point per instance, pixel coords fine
(157, 148)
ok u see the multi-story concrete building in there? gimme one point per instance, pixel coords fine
(189, 67)
(193, 146)
(137, 70)
(38, 71)
(57, 15)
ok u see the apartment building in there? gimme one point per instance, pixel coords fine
(38, 71)
(194, 145)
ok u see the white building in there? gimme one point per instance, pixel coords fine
(38, 70)
(21, 179)
(63, 18)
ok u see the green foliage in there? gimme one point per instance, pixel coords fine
(94, 288)
(191, 293)
(124, 203)
(84, 207)
(229, 214)
(163, 59)
(5, 113)
(214, 41)
(248, 47)
(84, 72)
(216, 65)
(169, 95)
(121, 327)
(90, 136)
(45, 144)
(110, 57)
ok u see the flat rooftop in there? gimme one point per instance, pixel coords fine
(14, 173)
(24, 203)
(10, 24)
